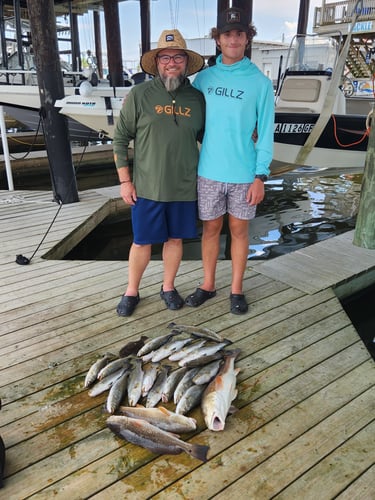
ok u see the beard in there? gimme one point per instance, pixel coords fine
(172, 83)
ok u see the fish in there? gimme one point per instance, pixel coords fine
(204, 351)
(105, 384)
(156, 342)
(204, 360)
(219, 394)
(184, 384)
(154, 394)
(113, 366)
(171, 383)
(156, 440)
(198, 331)
(95, 368)
(150, 372)
(117, 392)
(169, 348)
(135, 382)
(132, 347)
(190, 399)
(176, 356)
(207, 372)
(161, 417)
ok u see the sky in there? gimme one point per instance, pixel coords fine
(275, 20)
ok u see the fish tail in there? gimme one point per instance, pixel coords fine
(199, 451)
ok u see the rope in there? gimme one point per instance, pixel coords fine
(330, 97)
(366, 134)
(30, 146)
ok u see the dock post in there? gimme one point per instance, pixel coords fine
(4, 141)
(364, 234)
(51, 87)
(113, 36)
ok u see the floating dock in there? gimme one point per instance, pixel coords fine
(305, 422)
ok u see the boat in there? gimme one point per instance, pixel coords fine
(22, 102)
(96, 111)
(312, 126)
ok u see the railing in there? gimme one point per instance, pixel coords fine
(341, 12)
(29, 77)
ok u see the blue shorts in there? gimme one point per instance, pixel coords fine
(157, 221)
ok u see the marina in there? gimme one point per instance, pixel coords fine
(306, 387)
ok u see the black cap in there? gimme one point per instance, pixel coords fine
(232, 19)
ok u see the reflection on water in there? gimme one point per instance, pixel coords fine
(300, 209)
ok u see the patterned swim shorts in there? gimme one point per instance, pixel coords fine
(218, 198)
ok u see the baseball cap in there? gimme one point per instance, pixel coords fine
(232, 19)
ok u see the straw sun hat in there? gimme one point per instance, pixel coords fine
(171, 39)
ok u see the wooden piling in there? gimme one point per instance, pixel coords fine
(364, 234)
(51, 87)
(113, 36)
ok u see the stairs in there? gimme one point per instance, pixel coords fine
(356, 63)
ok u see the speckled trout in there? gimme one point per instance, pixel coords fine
(149, 436)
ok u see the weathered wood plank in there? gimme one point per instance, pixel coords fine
(360, 489)
(347, 461)
(314, 427)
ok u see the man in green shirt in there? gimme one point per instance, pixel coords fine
(164, 117)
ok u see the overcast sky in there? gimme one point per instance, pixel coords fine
(275, 20)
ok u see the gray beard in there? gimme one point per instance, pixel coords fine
(172, 83)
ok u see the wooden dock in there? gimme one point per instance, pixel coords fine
(305, 425)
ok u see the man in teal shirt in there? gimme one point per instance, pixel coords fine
(236, 152)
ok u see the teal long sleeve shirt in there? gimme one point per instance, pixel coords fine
(239, 99)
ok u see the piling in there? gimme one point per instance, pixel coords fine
(364, 234)
(51, 87)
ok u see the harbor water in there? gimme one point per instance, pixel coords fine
(300, 208)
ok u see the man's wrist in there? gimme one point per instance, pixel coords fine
(261, 177)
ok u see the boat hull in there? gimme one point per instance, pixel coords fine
(342, 144)
(22, 102)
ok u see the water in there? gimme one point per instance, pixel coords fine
(300, 209)
(360, 309)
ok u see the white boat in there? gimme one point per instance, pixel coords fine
(312, 127)
(22, 102)
(97, 112)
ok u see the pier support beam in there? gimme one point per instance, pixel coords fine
(51, 87)
(364, 234)
(145, 25)
(113, 36)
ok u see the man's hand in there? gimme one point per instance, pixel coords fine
(128, 193)
(255, 194)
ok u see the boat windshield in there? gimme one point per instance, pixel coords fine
(312, 53)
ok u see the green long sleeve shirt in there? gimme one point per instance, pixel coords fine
(165, 139)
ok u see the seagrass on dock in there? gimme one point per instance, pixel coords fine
(306, 421)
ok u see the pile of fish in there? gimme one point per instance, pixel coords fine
(188, 365)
